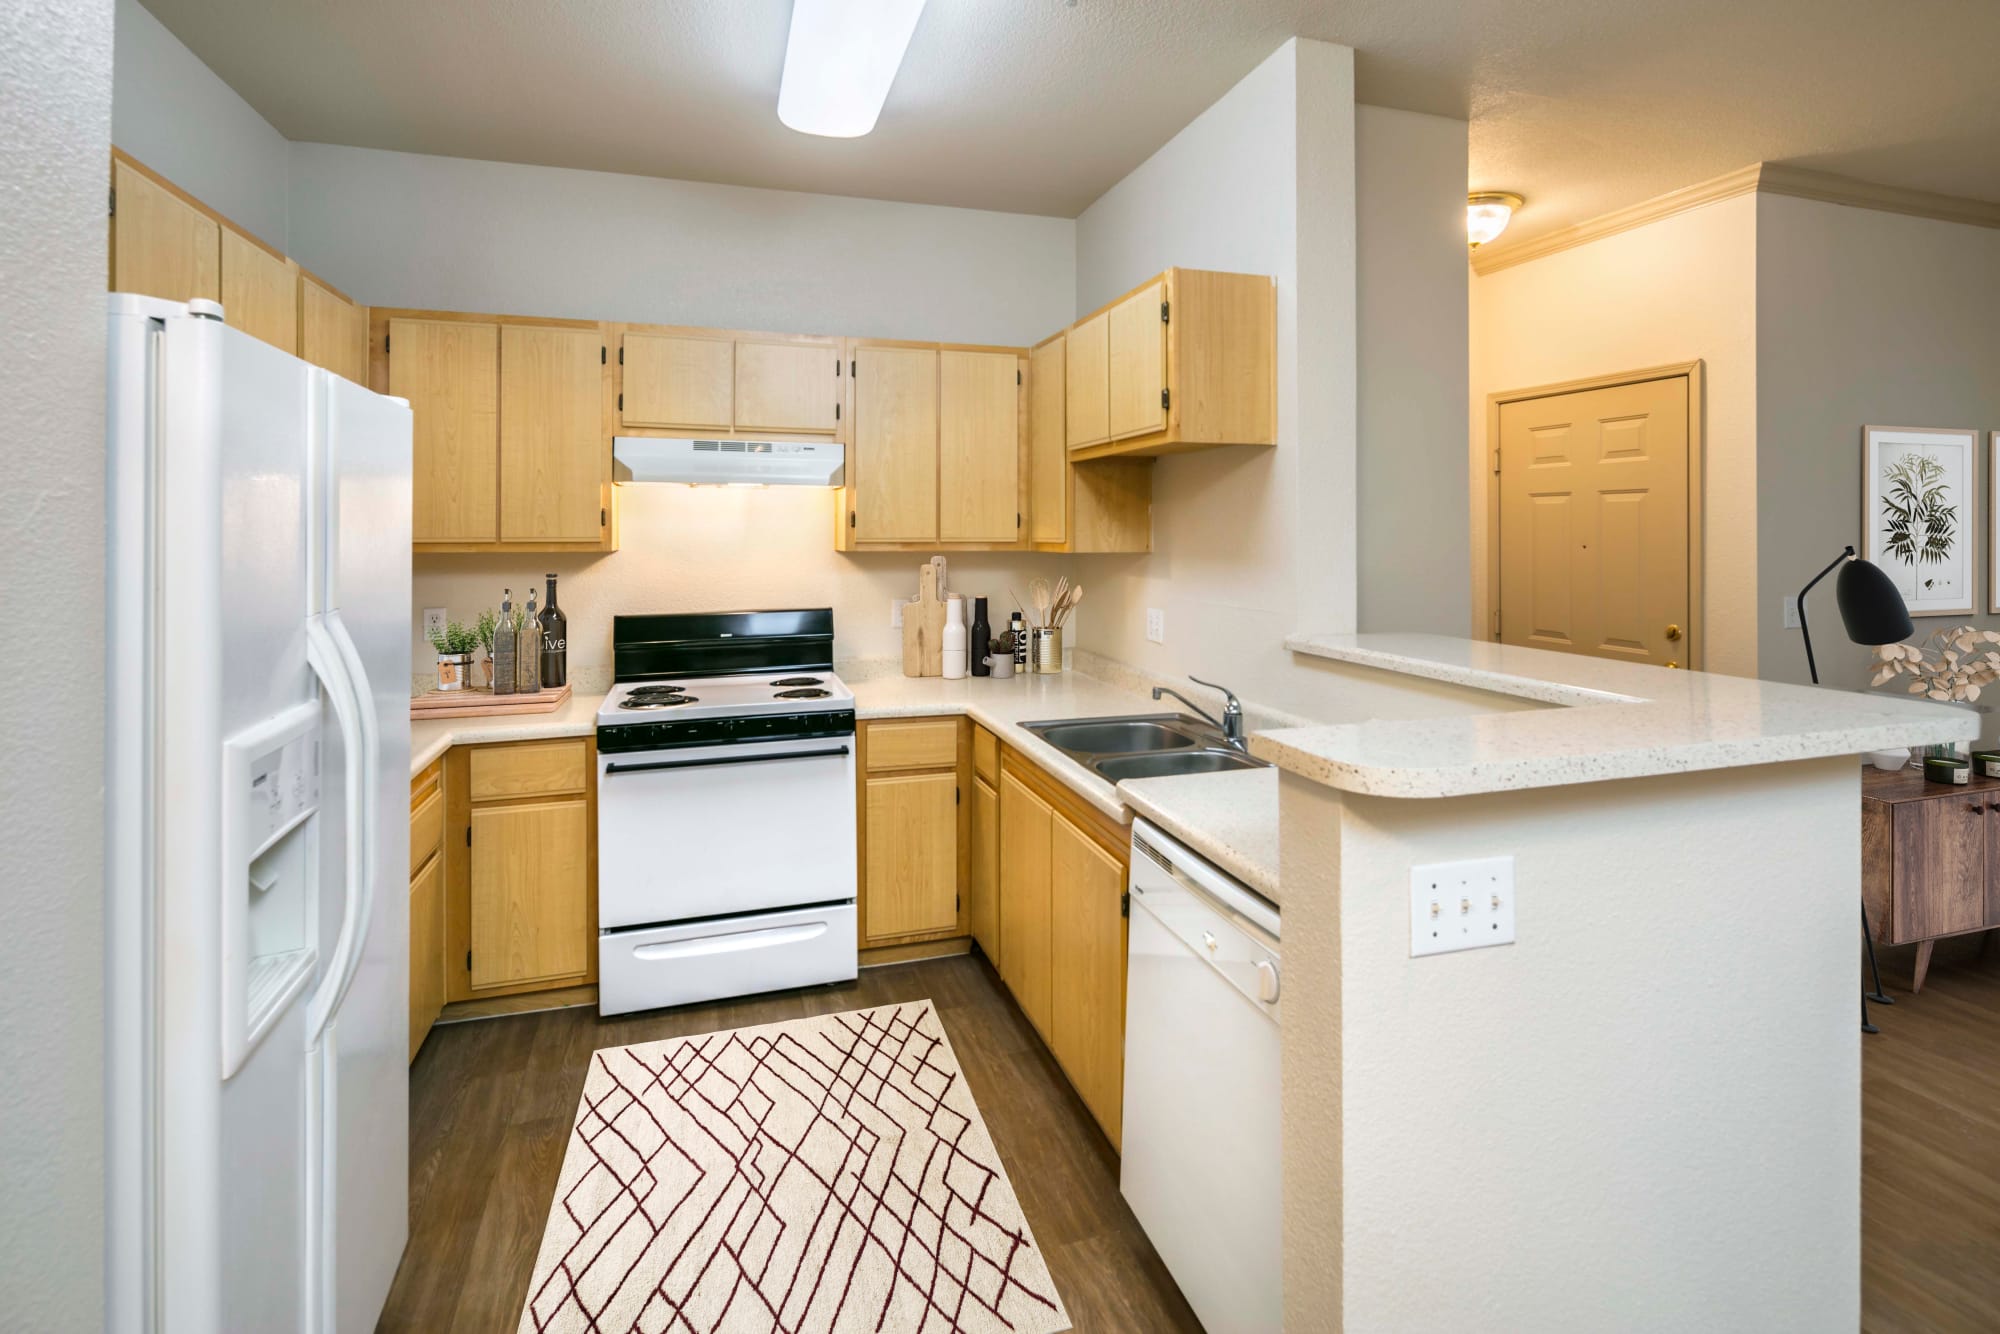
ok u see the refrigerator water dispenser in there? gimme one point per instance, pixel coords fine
(270, 890)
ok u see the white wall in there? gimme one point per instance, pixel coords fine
(172, 113)
(55, 100)
(1680, 289)
(1250, 544)
(1638, 1117)
(1863, 318)
(451, 234)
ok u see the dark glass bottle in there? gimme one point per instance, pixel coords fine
(555, 642)
(980, 639)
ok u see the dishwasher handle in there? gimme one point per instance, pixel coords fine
(648, 766)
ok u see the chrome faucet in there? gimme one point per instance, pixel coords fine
(1231, 722)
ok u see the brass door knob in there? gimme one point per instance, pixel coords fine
(1673, 664)
(1673, 633)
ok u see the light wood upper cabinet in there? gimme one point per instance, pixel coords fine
(1087, 958)
(1087, 356)
(911, 877)
(161, 245)
(1025, 822)
(678, 382)
(449, 370)
(530, 892)
(1137, 375)
(333, 331)
(893, 474)
(979, 435)
(554, 459)
(260, 291)
(1048, 453)
(787, 388)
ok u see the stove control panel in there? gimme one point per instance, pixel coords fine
(669, 734)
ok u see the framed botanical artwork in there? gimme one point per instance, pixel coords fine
(1917, 495)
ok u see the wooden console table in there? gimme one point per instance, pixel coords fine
(1930, 859)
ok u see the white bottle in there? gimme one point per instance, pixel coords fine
(954, 639)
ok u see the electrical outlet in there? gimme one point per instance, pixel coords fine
(1156, 626)
(433, 622)
(895, 613)
(1788, 611)
(1461, 905)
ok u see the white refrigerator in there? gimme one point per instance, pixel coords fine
(257, 829)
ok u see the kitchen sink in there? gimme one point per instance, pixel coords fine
(1117, 768)
(1144, 746)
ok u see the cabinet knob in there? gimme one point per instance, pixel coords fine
(1267, 981)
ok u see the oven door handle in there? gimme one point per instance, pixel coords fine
(651, 765)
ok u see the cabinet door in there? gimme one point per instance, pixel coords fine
(912, 863)
(1048, 455)
(426, 950)
(1087, 383)
(679, 382)
(1138, 363)
(333, 331)
(260, 291)
(894, 472)
(530, 892)
(1941, 868)
(553, 454)
(1087, 954)
(161, 245)
(979, 447)
(790, 387)
(1024, 899)
(450, 373)
(982, 891)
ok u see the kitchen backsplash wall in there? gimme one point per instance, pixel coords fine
(722, 549)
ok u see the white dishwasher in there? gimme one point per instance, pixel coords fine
(1201, 1152)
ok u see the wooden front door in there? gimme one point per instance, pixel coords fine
(1594, 522)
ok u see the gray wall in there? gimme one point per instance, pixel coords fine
(172, 113)
(1863, 319)
(1413, 548)
(55, 100)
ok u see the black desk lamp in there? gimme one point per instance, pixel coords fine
(1873, 612)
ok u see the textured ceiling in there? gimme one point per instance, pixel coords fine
(1038, 106)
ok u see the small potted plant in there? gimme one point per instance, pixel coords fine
(454, 645)
(489, 621)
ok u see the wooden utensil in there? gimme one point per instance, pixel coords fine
(913, 621)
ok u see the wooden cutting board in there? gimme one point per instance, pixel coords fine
(484, 703)
(923, 628)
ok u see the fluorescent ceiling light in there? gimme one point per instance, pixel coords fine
(1487, 215)
(839, 62)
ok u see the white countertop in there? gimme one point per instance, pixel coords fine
(432, 737)
(1231, 819)
(1613, 720)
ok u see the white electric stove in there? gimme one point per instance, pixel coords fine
(725, 810)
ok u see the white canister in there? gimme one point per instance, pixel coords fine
(954, 639)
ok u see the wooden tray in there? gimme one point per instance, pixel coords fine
(484, 703)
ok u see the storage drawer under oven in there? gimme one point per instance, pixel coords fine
(650, 967)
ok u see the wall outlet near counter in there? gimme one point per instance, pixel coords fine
(1788, 611)
(895, 613)
(433, 623)
(1156, 626)
(1461, 905)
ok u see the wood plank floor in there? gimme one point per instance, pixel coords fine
(491, 1102)
(1930, 1148)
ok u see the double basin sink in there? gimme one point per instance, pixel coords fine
(1151, 745)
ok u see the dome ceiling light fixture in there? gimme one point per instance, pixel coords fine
(1487, 213)
(840, 59)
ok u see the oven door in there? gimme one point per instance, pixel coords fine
(708, 831)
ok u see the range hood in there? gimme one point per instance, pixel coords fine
(638, 458)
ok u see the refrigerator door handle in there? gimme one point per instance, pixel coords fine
(329, 664)
(361, 859)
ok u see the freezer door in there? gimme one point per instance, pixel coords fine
(363, 452)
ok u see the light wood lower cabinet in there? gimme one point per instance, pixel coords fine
(982, 884)
(912, 834)
(1025, 917)
(520, 868)
(426, 902)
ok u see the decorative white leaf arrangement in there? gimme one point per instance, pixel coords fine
(1953, 664)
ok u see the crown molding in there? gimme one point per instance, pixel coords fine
(1762, 178)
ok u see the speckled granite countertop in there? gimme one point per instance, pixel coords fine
(1613, 720)
(1231, 819)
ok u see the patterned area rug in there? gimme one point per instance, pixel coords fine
(813, 1176)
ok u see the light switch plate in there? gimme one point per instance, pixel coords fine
(1788, 611)
(1461, 905)
(433, 622)
(1156, 625)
